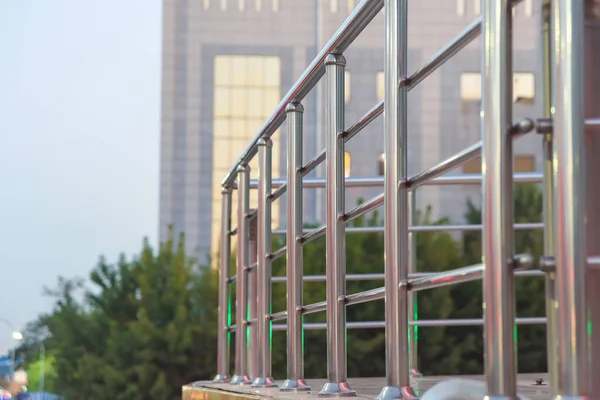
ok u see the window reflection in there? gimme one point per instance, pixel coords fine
(246, 92)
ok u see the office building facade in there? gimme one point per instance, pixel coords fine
(227, 64)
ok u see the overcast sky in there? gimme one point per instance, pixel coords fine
(79, 137)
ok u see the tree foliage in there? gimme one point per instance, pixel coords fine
(141, 328)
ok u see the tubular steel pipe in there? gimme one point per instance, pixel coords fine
(243, 259)
(396, 243)
(224, 314)
(358, 20)
(252, 301)
(518, 130)
(548, 199)
(294, 275)
(278, 253)
(314, 234)
(278, 192)
(438, 59)
(594, 261)
(377, 181)
(497, 200)
(337, 384)
(263, 270)
(314, 307)
(570, 194)
(422, 322)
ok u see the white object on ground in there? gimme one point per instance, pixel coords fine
(458, 389)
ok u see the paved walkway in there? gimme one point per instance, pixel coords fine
(367, 388)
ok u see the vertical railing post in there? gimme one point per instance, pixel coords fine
(592, 145)
(413, 314)
(252, 346)
(548, 198)
(498, 278)
(337, 384)
(295, 329)
(396, 207)
(568, 91)
(224, 312)
(263, 378)
(243, 256)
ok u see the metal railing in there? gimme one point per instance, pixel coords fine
(568, 201)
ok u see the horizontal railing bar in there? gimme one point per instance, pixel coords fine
(279, 316)
(421, 323)
(460, 275)
(364, 208)
(517, 130)
(312, 234)
(474, 322)
(313, 163)
(233, 232)
(358, 20)
(449, 164)
(444, 54)
(321, 278)
(278, 253)
(377, 181)
(322, 326)
(314, 307)
(594, 261)
(366, 296)
(280, 191)
(378, 277)
(592, 122)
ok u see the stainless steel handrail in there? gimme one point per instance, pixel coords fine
(564, 190)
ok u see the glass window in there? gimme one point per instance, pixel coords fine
(238, 101)
(272, 72)
(221, 127)
(347, 167)
(254, 102)
(523, 87)
(238, 129)
(271, 99)
(476, 7)
(470, 86)
(528, 8)
(524, 163)
(222, 70)
(380, 85)
(381, 164)
(473, 166)
(334, 6)
(347, 85)
(247, 90)
(351, 5)
(241, 4)
(206, 4)
(275, 5)
(223, 5)
(255, 70)
(460, 7)
(222, 102)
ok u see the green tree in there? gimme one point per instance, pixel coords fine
(365, 254)
(144, 328)
(531, 341)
